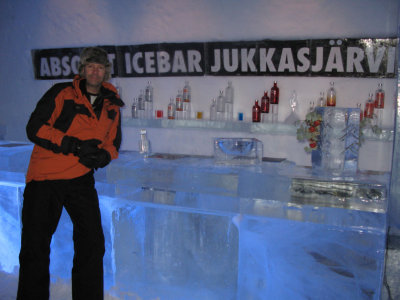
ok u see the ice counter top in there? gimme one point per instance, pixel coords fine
(273, 180)
(182, 227)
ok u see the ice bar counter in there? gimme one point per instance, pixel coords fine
(194, 227)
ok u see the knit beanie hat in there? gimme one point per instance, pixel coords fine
(95, 55)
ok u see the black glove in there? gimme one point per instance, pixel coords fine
(98, 159)
(78, 147)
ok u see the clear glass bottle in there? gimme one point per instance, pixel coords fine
(171, 109)
(331, 95)
(221, 102)
(178, 101)
(361, 111)
(148, 100)
(221, 106)
(148, 94)
(229, 94)
(321, 100)
(141, 105)
(213, 110)
(144, 143)
(135, 108)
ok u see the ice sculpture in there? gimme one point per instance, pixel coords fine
(339, 141)
(237, 151)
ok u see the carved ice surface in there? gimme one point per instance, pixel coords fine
(186, 228)
(237, 151)
(339, 140)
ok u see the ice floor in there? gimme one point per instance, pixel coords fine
(179, 229)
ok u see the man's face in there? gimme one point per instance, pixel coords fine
(94, 74)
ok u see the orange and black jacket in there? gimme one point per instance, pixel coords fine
(65, 110)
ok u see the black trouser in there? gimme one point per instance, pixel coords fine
(43, 204)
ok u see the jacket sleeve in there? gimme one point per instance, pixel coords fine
(40, 128)
(113, 139)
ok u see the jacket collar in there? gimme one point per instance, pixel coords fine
(107, 90)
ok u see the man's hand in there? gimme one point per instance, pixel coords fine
(98, 159)
(78, 147)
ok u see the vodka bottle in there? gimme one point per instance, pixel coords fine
(265, 103)
(135, 108)
(186, 98)
(331, 95)
(213, 110)
(229, 92)
(171, 109)
(380, 97)
(264, 107)
(187, 92)
(369, 107)
(148, 97)
(256, 113)
(141, 105)
(221, 106)
(361, 111)
(179, 102)
(321, 100)
(379, 104)
(274, 101)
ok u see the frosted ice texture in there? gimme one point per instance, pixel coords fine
(185, 228)
(339, 140)
(237, 151)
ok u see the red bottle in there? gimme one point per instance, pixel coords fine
(369, 107)
(256, 112)
(274, 99)
(265, 103)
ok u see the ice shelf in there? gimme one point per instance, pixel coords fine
(183, 227)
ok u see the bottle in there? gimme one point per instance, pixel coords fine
(229, 92)
(274, 101)
(178, 100)
(264, 107)
(321, 100)
(379, 104)
(380, 97)
(221, 106)
(171, 109)
(148, 98)
(144, 143)
(213, 110)
(331, 95)
(186, 97)
(265, 103)
(141, 105)
(186, 92)
(134, 108)
(369, 107)
(256, 113)
(361, 111)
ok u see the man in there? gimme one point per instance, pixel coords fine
(76, 128)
